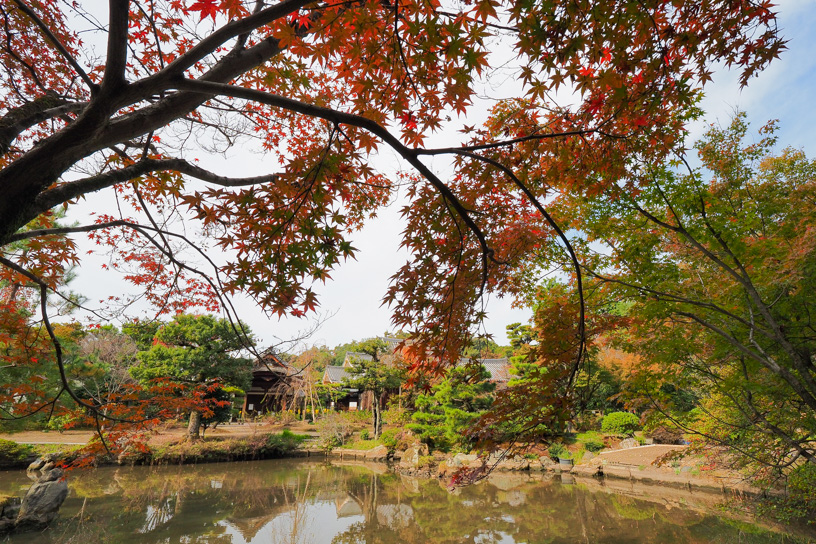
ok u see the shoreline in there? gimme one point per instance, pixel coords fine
(442, 467)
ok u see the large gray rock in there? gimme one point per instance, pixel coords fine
(628, 443)
(516, 462)
(42, 502)
(41, 462)
(547, 464)
(380, 453)
(465, 460)
(410, 458)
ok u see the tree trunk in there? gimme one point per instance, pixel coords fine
(375, 409)
(194, 425)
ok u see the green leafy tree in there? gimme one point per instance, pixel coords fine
(378, 375)
(486, 348)
(444, 416)
(519, 335)
(718, 265)
(201, 351)
(142, 332)
(219, 400)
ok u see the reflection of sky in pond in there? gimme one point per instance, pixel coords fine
(308, 502)
(494, 538)
(317, 523)
(155, 517)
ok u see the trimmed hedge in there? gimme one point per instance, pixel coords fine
(620, 423)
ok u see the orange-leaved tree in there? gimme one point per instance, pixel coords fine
(126, 101)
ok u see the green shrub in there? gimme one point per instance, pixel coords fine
(284, 443)
(556, 450)
(620, 423)
(591, 440)
(13, 454)
(802, 488)
(364, 434)
(388, 438)
(397, 439)
(594, 445)
(427, 461)
(357, 417)
(666, 435)
(333, 430)
(800, 502)
(396, 416)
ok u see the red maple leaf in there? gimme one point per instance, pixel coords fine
(208, 8)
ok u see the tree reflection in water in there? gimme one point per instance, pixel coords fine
(297, 502)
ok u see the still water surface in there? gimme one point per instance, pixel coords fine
(299, 502)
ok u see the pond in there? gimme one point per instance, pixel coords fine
(303, 502)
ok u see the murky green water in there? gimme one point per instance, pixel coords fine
(297, 502)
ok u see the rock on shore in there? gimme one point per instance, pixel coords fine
(41, 503)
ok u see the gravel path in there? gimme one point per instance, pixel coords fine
(639, 456)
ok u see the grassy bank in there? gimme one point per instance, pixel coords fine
(211, 450)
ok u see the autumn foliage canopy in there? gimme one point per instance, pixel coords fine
(131, 100)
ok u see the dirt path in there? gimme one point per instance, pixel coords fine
(74, 437)
(51, 437)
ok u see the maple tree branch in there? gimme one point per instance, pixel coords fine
(506, 143)
(44, 288)
(39, 168)
(39, 281)
(233, 29)
(531, 197)
(57, 345)
(48, 404)
(15, 56)
(730, 444)
(18, 119)
(57, 44)
(26, 235)
(116, 61)
(740, 274)
(675, 298)
(337, 117)
(801, 389)
(63, 193)
(152, 19)
(456, 16)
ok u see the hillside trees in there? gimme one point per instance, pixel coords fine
(717, 264)
(319, 88)
(203, 353)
